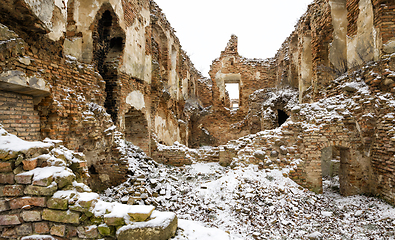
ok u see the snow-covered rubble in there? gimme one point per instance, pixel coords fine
(248, 203)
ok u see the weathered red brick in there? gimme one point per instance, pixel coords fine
(58, 230)
(24, 229)
(41, 227)
(31, 216)
(7, 178)
(5, 167)
(12, 190)
(23, 178)
(27, 201)
(29, 164)
(9, 233)
(12, 219)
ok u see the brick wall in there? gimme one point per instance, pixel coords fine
(18, 115)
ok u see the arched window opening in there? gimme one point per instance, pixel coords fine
(281, 117)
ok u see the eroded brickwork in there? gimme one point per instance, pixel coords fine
(18, 115)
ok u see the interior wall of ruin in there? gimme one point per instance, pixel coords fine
(98, 61)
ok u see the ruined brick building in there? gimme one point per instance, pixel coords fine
(87, 71)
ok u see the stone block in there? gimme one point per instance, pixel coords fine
(150, 230)
(12, 190)
(58, 230)
(29, 164)
(4, 206)
(7, 178)
(105, 230)
(87, 232)
(24, 178)
(5, 167)
(41, 191)
(43, 182)
(41, 227)
(140, 213)
(27, 202)
(64, 180)
(9, 233)
(260, 155)
(71, 232)
(12, 219)
(57, 203)
(3, 154)
(24, 229)
(114, 221)
(83, 206)
(31, 216)
(96, 220)
(11, 155)
(61, 216)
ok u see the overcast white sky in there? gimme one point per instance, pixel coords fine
(204, 27)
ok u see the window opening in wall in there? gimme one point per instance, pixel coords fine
(234, 93)
(282, 117)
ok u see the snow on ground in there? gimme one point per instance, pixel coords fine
(246, 203)
(193, 230)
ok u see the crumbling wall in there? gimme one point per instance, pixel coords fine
(95, 67)
(330, 38)
(221, 123)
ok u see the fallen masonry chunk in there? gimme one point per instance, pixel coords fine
(163, 225)
(140, 213)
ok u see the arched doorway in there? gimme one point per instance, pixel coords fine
(108, 43)
(136, 129)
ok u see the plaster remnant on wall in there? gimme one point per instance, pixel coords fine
(136, 100)
(173, 80)
(389, 47)
(59, 20)
(43, 9)
(305, 67)
(257, 75)
(18, 81)
(58, 24)
(185, 82)
(166, 130)
(363, 47)
(73, 46)
(338, 47)
(136, 62)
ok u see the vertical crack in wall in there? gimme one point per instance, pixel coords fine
(109, 44)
